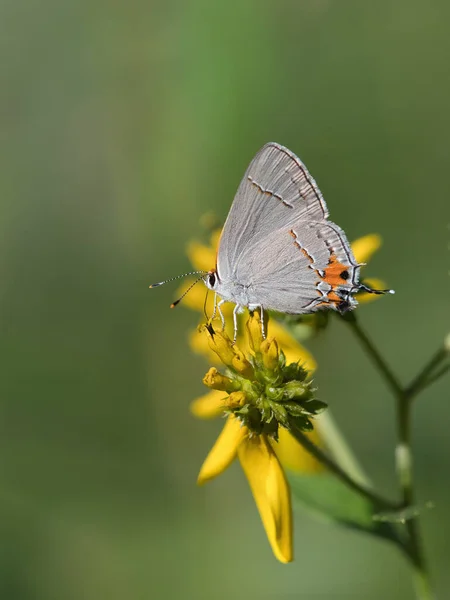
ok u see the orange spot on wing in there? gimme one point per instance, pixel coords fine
(333, 297)
(335, 274)
(334, 271)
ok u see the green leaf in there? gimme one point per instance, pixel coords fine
(328, 497)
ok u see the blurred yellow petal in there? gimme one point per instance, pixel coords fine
(215, 239)
(195, 299)
(199, 344)
(224, 450)
(293, 456)
(271, 493)
(365, 247)
(209, 405)
(292, 349)
(376, 284)
(202, 257)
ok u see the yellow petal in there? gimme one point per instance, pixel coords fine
(201, 299)
(195, 298)
(376, 284)
(199, 344)
(271, 493)
(224, 450)
(364, 247)
(209, 405)
(292, 349)
(292, 454)
(202, 257)
(215, 239)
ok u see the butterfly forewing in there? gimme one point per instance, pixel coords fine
(275, 192)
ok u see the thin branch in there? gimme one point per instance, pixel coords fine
(429, 374)
(403, 455)
(405, 472)
(373, 353)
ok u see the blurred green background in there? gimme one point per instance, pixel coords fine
(121, 124)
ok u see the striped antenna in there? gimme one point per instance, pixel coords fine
(177, 277)
(188, 290)
(365, 288)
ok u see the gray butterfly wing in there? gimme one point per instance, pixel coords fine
(276, 190)
(300, 269)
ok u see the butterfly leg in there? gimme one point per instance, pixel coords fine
(213, 316)
(263, 329)
(235, 323)
(222, 318)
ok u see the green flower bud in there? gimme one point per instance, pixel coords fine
(280, 413)
(295, 390)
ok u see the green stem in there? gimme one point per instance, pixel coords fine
(435, 376)
(373, 353)
(403, 453)
(429, 374)
(405, 472)
(333, 467)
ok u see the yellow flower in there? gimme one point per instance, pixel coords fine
(291, 453)
(265, 475)
(266, 397)
(260, 438)
(363, 249)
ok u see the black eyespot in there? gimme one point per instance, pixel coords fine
(212, 279)
(344, 275)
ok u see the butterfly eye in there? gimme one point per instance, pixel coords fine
(212, 279)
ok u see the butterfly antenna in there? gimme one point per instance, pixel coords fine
(189, 288)
(177, 277)
(370, 290)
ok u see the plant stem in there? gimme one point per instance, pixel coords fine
(428, 374)
(405, 472)
(403, 452)
(376, 357)
(332, 466)
(435, 376)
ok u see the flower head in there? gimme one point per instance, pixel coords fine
(261, 394)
